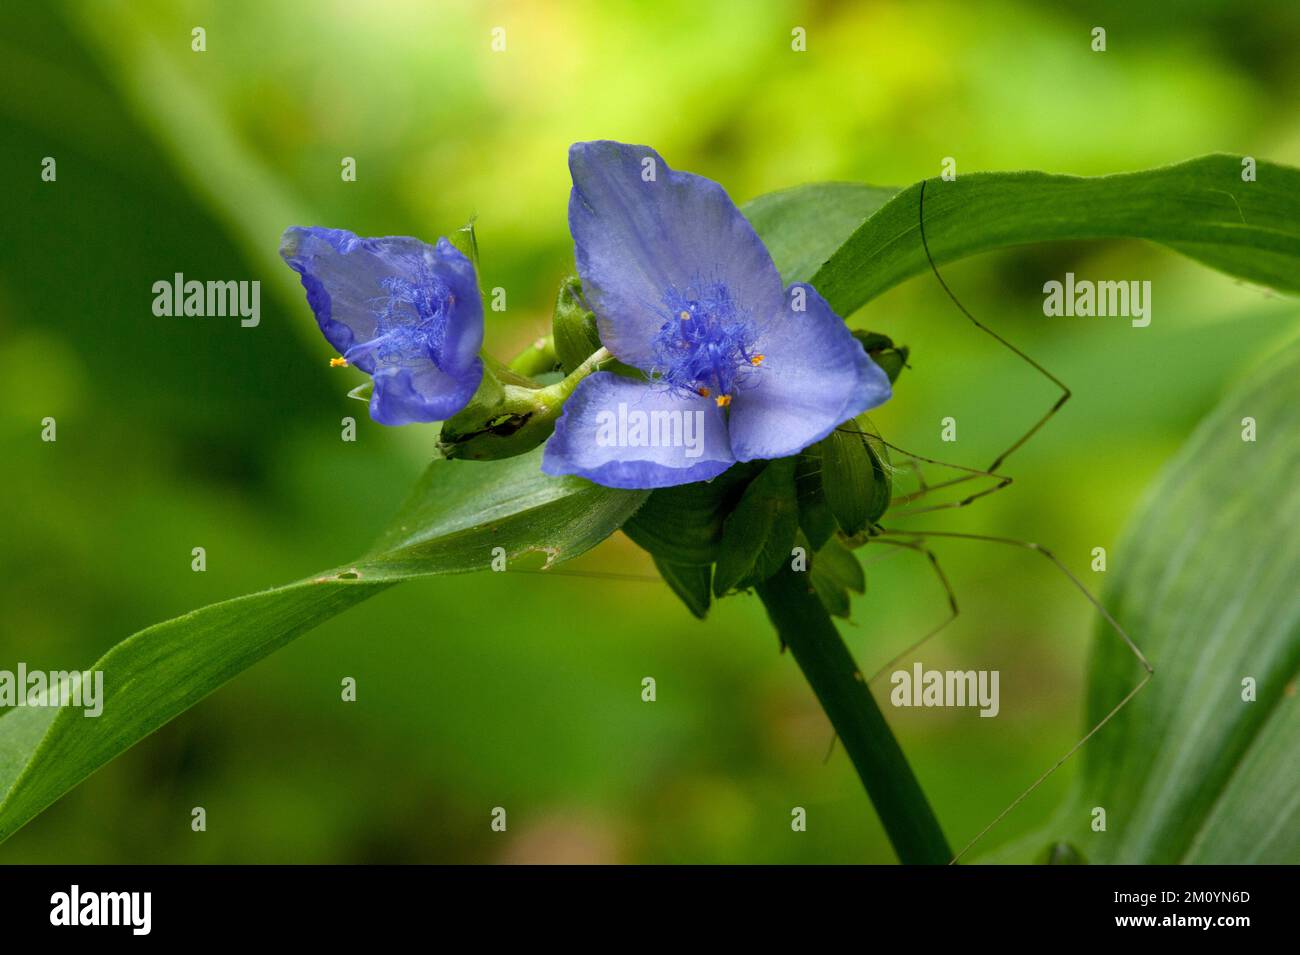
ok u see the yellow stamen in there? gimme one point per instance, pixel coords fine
(338, 363)
(684, 315)
(723, 400)
(757, 360)
(703, 392)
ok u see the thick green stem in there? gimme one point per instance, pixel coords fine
(806, 628)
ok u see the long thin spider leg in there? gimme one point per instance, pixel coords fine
(1065, 390)
(922, 486)
(931, 488)
(870, 561)
(949, 505)
(952, 605)
(1146, 678)
(1038, 548)
(953, 609)
(927, 488)
(914, 460)
(1002, 479)
(1106, 615)
(973, 472)
(970, 475)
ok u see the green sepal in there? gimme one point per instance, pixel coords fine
(833, 597)
(815, 517)
(690, 582)
(835, 572)
(758, 536)
(466, 242)
(854, 478)
(891, 358)
(683, 524)
(573, 327)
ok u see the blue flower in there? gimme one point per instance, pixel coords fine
(406, 313)
(734, 367)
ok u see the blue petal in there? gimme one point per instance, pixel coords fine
(463, 338)
(814, 376)
(597, 436)
(403, 311)
(412, 395)
(637, 241)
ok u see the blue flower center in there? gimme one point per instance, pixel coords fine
(705, 344)
(410, 323)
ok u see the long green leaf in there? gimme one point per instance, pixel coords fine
(459, 513)
(1205, 581)
(1200, 207)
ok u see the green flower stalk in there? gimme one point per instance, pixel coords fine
(537, 359)
(510, 414)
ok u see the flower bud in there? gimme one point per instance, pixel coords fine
(574, 326)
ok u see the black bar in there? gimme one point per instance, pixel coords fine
(983, 905)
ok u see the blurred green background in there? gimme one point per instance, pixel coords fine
(524, 691)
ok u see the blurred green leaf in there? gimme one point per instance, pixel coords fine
(180, 111)
(803, 226)
(1205, 582)
(1200, 208)
(458, 515)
